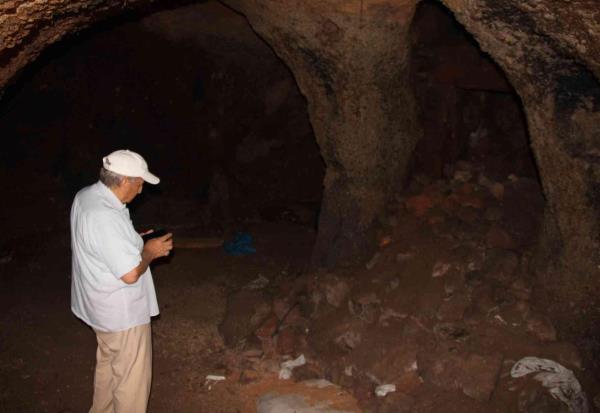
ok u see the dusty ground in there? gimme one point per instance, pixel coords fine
(443, 312)
(47, 358)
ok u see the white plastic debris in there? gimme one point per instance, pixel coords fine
(560, 381)
(318, 383)
(373, 261)
(413, 367)
(212, 379)
(462, 176)
(440, 269)
(258, 283)
(287, 366)
(500, 319)
(384, 389)
(404, 256)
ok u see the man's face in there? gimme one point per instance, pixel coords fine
(133, 187)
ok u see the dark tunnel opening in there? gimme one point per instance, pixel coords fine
(473, 167)
(469, 110)
(193, 89)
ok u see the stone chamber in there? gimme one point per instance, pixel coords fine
(416, 175)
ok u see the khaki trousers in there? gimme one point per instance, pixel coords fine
(123, 371)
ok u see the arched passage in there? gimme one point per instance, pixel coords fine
(468, 108)
(557, 79)
(196, 91)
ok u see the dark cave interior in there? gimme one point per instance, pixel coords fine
(222, 121)
(469, 110)
(231, 106)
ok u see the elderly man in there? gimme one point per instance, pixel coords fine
(112, 289)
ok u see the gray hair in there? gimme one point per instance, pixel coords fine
(109, 178)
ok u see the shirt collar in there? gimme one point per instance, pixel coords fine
(110, 196)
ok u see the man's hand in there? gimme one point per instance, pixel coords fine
(158, 247)
(153, 249)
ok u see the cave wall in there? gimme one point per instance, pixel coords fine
(27, 27)
(349, 59)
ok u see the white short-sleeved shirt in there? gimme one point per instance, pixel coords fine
(105, 246)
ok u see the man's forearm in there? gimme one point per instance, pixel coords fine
(134, 275)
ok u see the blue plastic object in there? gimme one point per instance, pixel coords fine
(241, 244)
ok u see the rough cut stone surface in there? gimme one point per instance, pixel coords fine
(336, 290)
(246, 310)
(541, 327)
(475, 375)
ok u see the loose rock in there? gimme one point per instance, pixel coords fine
(474, 374)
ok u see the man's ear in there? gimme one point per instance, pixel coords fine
(123, 181)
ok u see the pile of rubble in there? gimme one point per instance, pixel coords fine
(434, 322)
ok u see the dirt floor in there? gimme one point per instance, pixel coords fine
(442, 311)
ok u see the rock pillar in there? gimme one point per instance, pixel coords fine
(350, 61)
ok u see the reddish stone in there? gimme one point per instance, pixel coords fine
(497, 190)
(397, 403)
(286, 342)
(268, 347)
(566, 354)
(499, 238)
(408, 381)
(471, 200)
(435, 219)
(465, 189)
(385, 241)
(502, 265)
(267, 329)
(280, 307)
(433, 190)
(295, 318)
(336, 290)
(245, 312)
(419, 204)
(249, 376)
(363, 389)
(467, 214)
(476, 375)
(454, 308)
(286, 288)
(541, 327)
(449, 204)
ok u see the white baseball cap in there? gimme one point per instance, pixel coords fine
(127, 163)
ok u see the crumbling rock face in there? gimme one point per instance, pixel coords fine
(349, 59)
(27, 27)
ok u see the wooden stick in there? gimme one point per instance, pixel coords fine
(197, 243)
